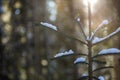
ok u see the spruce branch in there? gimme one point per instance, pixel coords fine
(99, 62)
(71, 37)
(81, 27)
(80, 60)
(101, 68)
(107, 37)
(107, 52)
(48, 25)
(86, 77)
(81, 63)
(70, 55)
(99, 55)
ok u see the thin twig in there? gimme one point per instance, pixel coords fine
(81, 28)
(52, 27)
(101, 68)
(99, 55)
(99, 62)
(107, 37)
(64, 34)
(86, 77)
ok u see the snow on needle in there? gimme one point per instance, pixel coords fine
(80, 59)
(110, 50)
(64, 53)
(101, 78)
(49, 25)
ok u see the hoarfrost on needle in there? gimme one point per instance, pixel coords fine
(80, 59)
(110, 50)
(49, 25)
(64, 53)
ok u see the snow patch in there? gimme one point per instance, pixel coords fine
(88, 38)
(96, 39)
(84, 74)
(118, 29)
(64, 54)
(110, 50)
(101, 78)
(80, 59)
(49, 25)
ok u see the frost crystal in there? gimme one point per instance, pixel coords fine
(49, 25)
(111, 50)
(78, 19)
(101, 78)
(65, 53)
(81, 59)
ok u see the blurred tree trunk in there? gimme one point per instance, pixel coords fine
(117, 59)
(66, 22)
(15, 38)
(1, 47)
(18, 39)
(1, 53)
(39, 10)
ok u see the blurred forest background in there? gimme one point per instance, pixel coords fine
(26, 46)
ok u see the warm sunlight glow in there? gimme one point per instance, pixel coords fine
(52, 9)
(92, 2)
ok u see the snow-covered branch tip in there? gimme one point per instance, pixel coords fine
(104, 22)
(98, 40)
(64, 53)
(110, 50)
(80, 60)
(49, 25)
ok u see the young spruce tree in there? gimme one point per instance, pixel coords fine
(91, 40)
